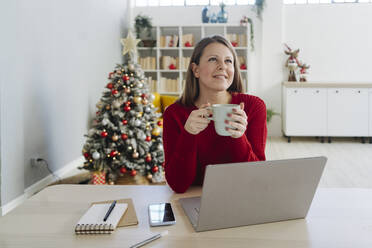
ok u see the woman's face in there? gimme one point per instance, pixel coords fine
(216, 68)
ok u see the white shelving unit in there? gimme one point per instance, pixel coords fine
(198, 32)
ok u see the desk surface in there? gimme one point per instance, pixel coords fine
(337, 218)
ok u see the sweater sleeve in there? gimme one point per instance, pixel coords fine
(251, 146)
(179, 151)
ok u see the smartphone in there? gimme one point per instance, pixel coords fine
(161, 214)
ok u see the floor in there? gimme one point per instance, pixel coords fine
(349, 161)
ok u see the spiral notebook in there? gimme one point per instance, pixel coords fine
(92, 221)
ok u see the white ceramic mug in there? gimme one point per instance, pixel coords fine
(220, 112)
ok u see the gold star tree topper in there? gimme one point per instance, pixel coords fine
(130, 44)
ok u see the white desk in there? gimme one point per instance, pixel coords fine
(337, 218)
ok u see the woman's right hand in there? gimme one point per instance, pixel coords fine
(198, 120)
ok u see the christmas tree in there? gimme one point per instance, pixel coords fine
(126, 136)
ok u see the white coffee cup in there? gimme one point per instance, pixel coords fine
(220, 112)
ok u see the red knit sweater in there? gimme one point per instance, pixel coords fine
(187, 155)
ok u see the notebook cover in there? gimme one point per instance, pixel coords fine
(130, 217)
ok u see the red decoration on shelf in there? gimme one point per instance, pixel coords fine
(172, 67)
(160, 123)
(234, 44)
(243, 67)
(125, 122)
(86, 154)
(110, 85)
(133, 173)
(126, 78)
(123, 170)
(155, 169)
(114, 92)
(104, 134)
(124, 136)
(126, 108)
(148, 159)
(148, 138)
(113, 153)
(188, 44)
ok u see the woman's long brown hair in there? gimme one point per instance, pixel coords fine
(191, 89)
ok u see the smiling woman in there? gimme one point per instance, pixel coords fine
(190, 140)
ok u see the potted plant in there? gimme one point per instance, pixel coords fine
(269, 114)
(143, 28)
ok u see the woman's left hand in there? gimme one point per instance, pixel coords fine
(238, 120)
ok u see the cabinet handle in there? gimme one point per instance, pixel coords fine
(317, 91)
(336, 91)
(295, 91)
(358, 91)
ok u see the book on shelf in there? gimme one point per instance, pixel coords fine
(152, 84)
(185, 62)
(169, 40)
(188, 40)
(168, 85)
(148, 63)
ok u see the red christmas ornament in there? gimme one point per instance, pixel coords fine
(127, 103)
(126, 78)
(160, 123)
(126, 108)
(163, 164)
(113, 153)
(97, 113)
(172, 67)
(188, 44)
(104, 134)
(86, 154)
(114, 92)
(133, 173)
(123, 170)
(243, 67)
(234, 44)
(148, 159)
(148, 138)
(110, 74)
(125, 122)
(110, 86)
(144, 95)
(155, 169)
(124, 136)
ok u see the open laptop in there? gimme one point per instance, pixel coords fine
(250, 193)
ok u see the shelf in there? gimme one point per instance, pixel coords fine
(175, 34)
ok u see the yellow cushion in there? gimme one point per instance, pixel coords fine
(167, 100)
(157, 102)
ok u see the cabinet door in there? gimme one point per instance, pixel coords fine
(347, 112)
(305, 112)
(370, 113)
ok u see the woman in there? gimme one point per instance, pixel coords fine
(190, 140)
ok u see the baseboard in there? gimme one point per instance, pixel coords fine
(41, 184)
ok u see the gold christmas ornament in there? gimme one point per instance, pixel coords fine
(127, 90)
(149, 176)
(111, 182)
(108, 107)
(135, 154)
(139, 114)
(115, 137)
(145, 102)
(156, 131)
(137, 99)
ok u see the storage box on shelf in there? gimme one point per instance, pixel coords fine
(167, 63)
(327, 110)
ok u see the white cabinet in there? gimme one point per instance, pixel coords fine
(327, 110)
(305, 112)
(348, 112)
(166, 64)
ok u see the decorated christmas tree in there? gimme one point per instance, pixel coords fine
(126, 134)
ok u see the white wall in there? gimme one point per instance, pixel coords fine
(336, 40)
(54, 63)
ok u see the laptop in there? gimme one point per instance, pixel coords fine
(248, 193)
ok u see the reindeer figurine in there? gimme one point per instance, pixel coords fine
(292, 63)
(303, 68)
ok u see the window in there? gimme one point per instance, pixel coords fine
(324, 1)
(146, 3)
